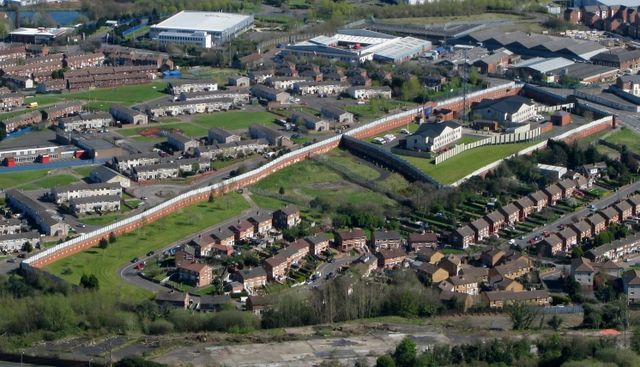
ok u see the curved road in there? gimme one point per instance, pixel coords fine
(130, 275)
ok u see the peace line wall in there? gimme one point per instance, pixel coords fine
(130, 224)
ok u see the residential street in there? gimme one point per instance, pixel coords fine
(568, 219)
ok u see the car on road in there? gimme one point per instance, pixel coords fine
(151, 253)
(11, 260)
(134, 260)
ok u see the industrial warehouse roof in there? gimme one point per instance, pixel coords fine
(400, 48)
(202, 21)
(536, 44)
(543, 65)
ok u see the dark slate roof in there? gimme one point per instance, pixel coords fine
(510, 104)
(435, 129)
(617, 56)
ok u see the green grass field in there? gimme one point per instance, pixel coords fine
(464, 163)
(626, 137)
(104, 263)
(234, 120)
(347, 160)
(459, 18)
(307, 180)
(33, 180)
(84, 171)
(128, 95)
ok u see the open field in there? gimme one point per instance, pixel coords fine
(461, 18)
(307, 180)
(234, 120)
(219, 75)
(464, 163)
(625, 137)
(128, 94)
(104, 263)
(345, 159)
(84, 171)
(33, 180)
(376, 108)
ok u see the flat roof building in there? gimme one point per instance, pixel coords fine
(202, 28)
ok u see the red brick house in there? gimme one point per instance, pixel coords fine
(495, 220)
(540, 200)
(353, 239)
(610, 215)
(634, 201)
(480, 228)
(511, 213)
(526, 207)
(597, 222)
(551, 246)
(418, 241)
(287, 217)
(319, 243)
(554, 193)
(582, 229)
(262, 222)
(242, 230)
(389, 259)
(463, 237)
(624, 209)
(196, 274)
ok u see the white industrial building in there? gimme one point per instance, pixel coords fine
(203, 29)
(361, 45)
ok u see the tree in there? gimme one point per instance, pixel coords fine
(27, 247)
(405, 354)
(112, 237)
(211, 198)
(555, 322)
(577, 252)
(137, 362)
(104, 243)
(521, 314)
(89, 282)
(385, 361)
(281, 191)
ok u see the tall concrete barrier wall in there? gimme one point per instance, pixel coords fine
(492, 140)
(132, 223)
(569, 136)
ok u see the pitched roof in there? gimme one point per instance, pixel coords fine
(432, 130)
(509, 209)
(352, 234)
(631, 277)
(511, 267)
(392, 253)
(510, 104)
(423, 237)
(392, 235)
(582, 265)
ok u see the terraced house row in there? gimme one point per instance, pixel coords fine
(590, 226)
(482, 228)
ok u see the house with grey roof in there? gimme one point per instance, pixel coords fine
(434, 136)
(509, 111)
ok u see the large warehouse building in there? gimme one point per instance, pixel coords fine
(360, 45)
(203, 29)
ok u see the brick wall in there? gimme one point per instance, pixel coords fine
(374, 128)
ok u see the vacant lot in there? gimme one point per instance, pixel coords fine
(104, 263)
(354, 165)
(235, 120)
(307, 180)
(376, 108)
(626, 137)
(464, 163)
(459, 18)
(33, 180)
(127, 95)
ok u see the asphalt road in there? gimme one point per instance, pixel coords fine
(567, 219)
(130, 275)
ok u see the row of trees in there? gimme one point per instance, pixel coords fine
(349, 298)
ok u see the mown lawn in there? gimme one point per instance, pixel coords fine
(84, 171)
(104, 263)
(32, 180)
(626, 137)
(127, 95)
(235, 120)
(464, 163)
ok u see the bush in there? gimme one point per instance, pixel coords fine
(160, 327)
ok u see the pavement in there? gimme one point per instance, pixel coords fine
(568, 219)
